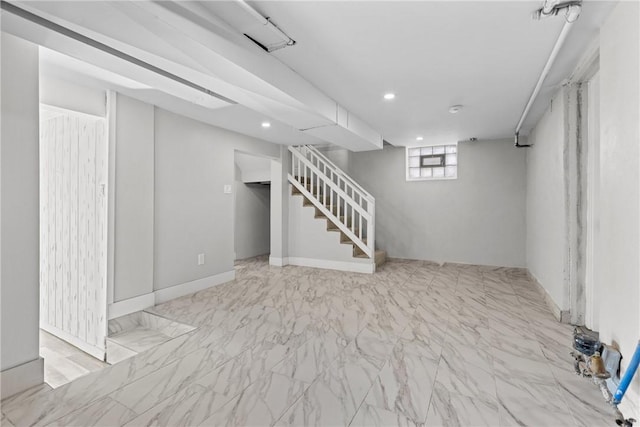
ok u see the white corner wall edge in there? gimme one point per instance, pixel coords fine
(21, 377)
(166, 294)
(97, 352)
(278, 262)
(561, 316)
(354, 267)
(139, 303)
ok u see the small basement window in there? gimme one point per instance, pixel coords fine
(432, 162)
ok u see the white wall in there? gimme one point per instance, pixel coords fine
(620, 187)
(70, 96)
(19, 207)
(338, 155)
(193, 162)
(618, 237)
(546, 226)
(478, 218)
(134, 201)
(252, 217)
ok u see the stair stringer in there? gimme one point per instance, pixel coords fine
(312, 245)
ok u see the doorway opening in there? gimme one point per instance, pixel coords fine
(252, 206)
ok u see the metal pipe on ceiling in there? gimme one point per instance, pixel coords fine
(266, 22)
(566, 28)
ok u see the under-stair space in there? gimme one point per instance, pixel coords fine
(344, 210)
(380, 256)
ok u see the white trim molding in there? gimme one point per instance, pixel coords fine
(278, 262)
(166, 294)
(139, 303)
(21, 377)
(131, 305)
(355, 267)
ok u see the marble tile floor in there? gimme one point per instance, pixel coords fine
(63, 362)
(416, 344)
(140, 331)
(144, 320)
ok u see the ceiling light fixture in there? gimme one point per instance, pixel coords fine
(419, 138)
(455, 109)
(266, 125)
(389, 96)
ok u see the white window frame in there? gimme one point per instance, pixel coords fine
(407, 168)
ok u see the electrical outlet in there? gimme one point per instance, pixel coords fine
(200, 259)
(227, 189)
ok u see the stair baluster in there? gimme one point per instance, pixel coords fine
(348, 202)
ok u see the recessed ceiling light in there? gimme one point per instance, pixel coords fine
(419, 138)
(389, 96)
(266, 124)
(454, 109)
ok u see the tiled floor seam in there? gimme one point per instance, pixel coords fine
(567, 403)
(164, 365)
(364, 398)
(431, 396)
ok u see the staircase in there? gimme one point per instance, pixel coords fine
(346, 207)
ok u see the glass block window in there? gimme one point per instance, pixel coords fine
(432, 162)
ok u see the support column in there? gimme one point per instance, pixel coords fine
(280, 209)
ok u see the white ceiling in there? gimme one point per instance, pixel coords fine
(178, 99)
(486, 56)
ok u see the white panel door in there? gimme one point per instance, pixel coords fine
(73, 228)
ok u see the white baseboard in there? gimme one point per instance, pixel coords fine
(139, 303)
(166, 294)
(97, 352)
(561, 316)
(278, 262)
(355, 267)
(131, 305)
(21, 377)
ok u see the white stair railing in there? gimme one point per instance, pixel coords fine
(335, 194)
